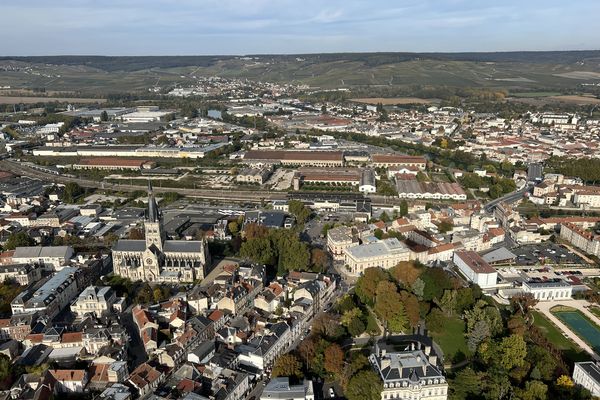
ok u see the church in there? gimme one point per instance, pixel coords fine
(156, 259)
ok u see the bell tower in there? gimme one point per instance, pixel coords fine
(153, 222)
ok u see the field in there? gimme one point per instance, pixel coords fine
(452, 341)
(34, 100)
(552, 333)
(393, 101)
(390, 76)
(575, 99)
(534, 94)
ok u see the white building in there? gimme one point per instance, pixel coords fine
(409, 374)
(587, 374)
(385, 254)
(475, 269)
(549, 290)
(53, 256)
(338, 240)
(96, 300)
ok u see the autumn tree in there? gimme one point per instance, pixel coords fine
(287, 365)
(389, 307)
(406, 272)
(136, 234)
(334, 359)
(411, 305)
(318, 259)
(366, 287)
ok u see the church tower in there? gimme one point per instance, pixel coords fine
(153, 223)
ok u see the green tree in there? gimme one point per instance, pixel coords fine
(71, 192)
(365, 385)
(466, 383)
(445, 226)
(233, 227)
(511, 352)
(403, 208)
(258, 250)
(104, 116)
(287, 365)
(366, 286)
(534, 390)
(18, 239)
(299, 210)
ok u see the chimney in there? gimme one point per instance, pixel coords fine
(427, 350)
(385, 362)
(382, 353)
(433, 359)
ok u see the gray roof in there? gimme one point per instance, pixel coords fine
(130, 245)
(183, 246)
(280, 388)
(382, 247)
(500, 254)
(41, 252)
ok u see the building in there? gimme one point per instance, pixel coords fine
(385, 254)
(395, 160)
(587, 374)
(145, 379)
(368, 182)
(253, 175)
(113, 163)
(69, 380)
(548, 290)
(413, 189)
(339, 239)
(296, 158)
(23, 274)
(48, 256)
(280, 389)
(96, 300)
(475, 269)
(156, 259)
(580, 238)
(51, 297)
(409, 374)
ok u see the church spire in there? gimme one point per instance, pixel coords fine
(152, 207)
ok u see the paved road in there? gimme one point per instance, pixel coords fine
(135, 348)
(508, 198)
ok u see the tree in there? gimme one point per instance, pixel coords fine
(254, 231)
(511, 352)
(319, 259)
(18, 239)
(445, 226)
(366, 286)
(356, 327)
(365, 385)
(258, 250)
(287, 365)
(564, 381)
(411, 305)
(104, 116)
(299, 210)
(384, 217)
(233, 227)
(334, 359)
(72, 192)
(403, 208)
(466, 383)
(406, 272)
(436, 320)
(389, 307)
(479, 333)
(534, 390)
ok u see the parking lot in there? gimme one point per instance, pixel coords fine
(546, 254)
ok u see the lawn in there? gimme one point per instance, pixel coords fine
(595, 311)
(553, 334)
(534, 94)
(452, 340)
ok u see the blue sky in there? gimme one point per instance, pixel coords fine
(196, 27)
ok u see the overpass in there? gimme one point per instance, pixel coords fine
(508, 198)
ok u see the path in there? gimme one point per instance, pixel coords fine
(544, 308)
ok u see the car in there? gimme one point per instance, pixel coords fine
(331, 393)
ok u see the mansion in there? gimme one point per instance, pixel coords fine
(156, 259)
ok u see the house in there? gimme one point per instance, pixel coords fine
(148, 329)
(69, 380)
(145, 379)
(95, 300)
(52, 257)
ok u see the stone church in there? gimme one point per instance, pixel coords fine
(156, 259)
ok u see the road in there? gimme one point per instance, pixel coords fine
(135, 348)
(508, 198)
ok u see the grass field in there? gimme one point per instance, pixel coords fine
(575, 99)
(392, 101)
(553, 334)
(452, 340)
(595, 311)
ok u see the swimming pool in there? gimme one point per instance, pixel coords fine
(585, 329)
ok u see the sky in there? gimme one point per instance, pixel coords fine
(220, 27)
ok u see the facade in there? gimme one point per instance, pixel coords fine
(69, 380)
(156, 259)
(409, 374)
(385, 254)
(394, 160)
(300, 158)
(96, 300)
(253, 175)
(368, 182)
(413, 189)
(51, 297)
(338, 240)
(580, 238)
(280, 389)
(23, 274)
(548, 290)
(49, 256)
(475, 269)
(587, 374)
